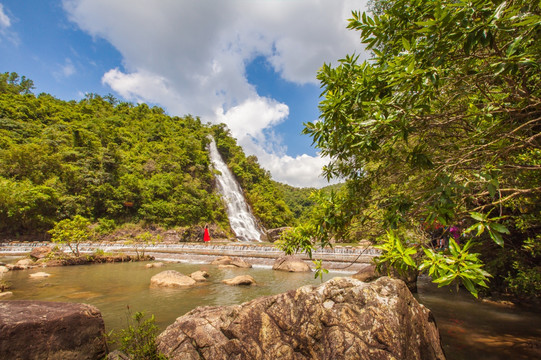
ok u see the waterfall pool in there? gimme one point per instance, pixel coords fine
(470, 329)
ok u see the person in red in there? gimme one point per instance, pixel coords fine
(206, 235)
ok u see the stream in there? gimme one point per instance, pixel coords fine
(470, 329)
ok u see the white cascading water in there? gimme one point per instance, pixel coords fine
(241, 219)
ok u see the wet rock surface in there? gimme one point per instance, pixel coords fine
(199, 275)
(171, 278)
(291, 263)
(51, 330)
(231, 262)
(240, 280)
(341, 319)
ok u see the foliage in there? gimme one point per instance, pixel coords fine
(395, 255)
(71, 232)
(12, 83)
(142, 240)
(297, 239)
(441, 126)
(114, 163)
(459, 266)
(138, 340)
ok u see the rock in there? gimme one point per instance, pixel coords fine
(40, 274)
(224, 260)
(117, 355)
(40, 252)
(3, 269)
(240, 263)
(5, 294)
(171, 278)
(291, 263)
(154, 265)
(22, 264)
(200, 275)
(366, 274)
(369, 273)
(240, 280)
(409, 276)
(341, 319)
(51, 330)
(275, 234)
(227, 267)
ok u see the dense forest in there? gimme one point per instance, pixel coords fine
(115, 163)
(439, 130)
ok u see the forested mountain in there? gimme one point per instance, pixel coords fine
(114, 161)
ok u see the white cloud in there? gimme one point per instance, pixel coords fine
(190, 57)
(5, 22)
(66, 70)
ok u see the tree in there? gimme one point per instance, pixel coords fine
(442, 125)
(12, 83)
(71, 232)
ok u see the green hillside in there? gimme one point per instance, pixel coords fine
(114, 161)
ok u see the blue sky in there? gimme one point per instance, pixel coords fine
(251, 64)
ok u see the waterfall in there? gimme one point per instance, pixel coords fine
(241, 219)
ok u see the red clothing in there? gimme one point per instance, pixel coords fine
(206, 236)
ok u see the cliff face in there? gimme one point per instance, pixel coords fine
(341, 319)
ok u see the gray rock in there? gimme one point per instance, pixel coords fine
(51, 330)
(341, 319)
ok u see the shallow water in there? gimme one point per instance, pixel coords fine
(472, 329)
(469, 329)
(114, 287)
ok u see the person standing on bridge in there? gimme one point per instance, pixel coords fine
(206, 235)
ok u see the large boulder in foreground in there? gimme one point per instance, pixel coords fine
(171, 278)
(51, 330)
(343, 318)
(291, 263)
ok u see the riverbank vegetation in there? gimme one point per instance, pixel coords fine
(440, 128)
(115, 163)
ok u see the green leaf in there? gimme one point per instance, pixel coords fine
(496, 236)
(477, 216)
(406, 44)
(499, 228)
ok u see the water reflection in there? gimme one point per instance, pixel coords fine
(113, 287)
(469, 329)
